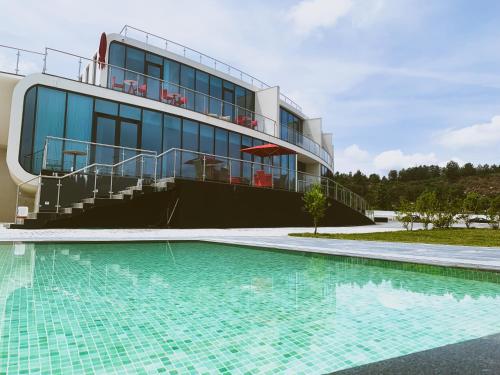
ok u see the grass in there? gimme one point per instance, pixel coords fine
(455, 236)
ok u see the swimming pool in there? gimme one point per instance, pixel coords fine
(193, 307)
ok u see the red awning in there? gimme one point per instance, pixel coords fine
(268, 149)
(103, 46)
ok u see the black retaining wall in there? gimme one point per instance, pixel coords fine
(212, 205)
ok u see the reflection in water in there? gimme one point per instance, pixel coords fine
(199, 307)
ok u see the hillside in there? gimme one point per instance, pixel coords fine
(385, 192)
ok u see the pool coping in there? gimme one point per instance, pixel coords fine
(392, 258)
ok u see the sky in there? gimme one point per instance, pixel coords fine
(398, 83)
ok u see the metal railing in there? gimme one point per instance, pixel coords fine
(124, 167)
(20, 61)
(131, 82)
(63, 154)
(204, 166)
(199, 57)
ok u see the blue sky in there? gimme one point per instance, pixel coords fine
(398, 82)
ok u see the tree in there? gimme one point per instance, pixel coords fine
(452, 171)
(469, 206)
(393, 175)
(447, 208)
(315, 204)
(493, 212)
(427, 206)
(405, 214)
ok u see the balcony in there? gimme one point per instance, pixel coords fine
(70, 66)
(134, 83)
(200, 58)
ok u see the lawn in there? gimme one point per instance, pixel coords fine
(455, 236)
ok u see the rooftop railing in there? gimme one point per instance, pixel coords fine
(20, 61)
(199, 57)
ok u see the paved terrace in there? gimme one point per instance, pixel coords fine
(445, 255)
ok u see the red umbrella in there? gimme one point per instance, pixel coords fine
(268, 149)
(103, 45)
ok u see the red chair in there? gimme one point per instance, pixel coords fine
(142, 89)
(241, 120)
(254, 124)
(182, 100)
(115, 85)
(166, 96)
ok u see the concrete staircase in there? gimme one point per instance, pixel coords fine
(37, 220)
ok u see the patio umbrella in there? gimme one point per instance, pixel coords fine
(268, 149)
(103, 45)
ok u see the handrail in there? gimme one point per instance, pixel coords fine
(22, 49)
(216, 61)
(346, 196)
(96, 144)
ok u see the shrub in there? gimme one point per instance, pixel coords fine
(315, 204)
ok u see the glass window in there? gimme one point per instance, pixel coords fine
(240, 97)
(107, 107)
(216, 96)
(247, 167)
(206, 139)
(116, 75)
(188, 82)
(79, 115)
(26, 157)
(135, 60)
(51, 108)
(155, 59)
(190, 135)
(116, 54)
(171, 139)
(221, 142)
(235, 152)
(171, 74)
(201, 101)
(190, 166)
(151, 131)
(130, 112)
(250, 101)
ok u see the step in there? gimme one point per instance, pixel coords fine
(78, 205)
(67, 210)
(118, 196)
(88, 200)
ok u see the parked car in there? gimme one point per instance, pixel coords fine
(480, 220)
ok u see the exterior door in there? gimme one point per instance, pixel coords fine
(105, 136)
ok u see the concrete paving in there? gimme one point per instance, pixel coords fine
(486, 258)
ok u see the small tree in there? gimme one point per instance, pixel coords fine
(405, 214)
(445, 214)
(315, 204)
(427, 206)
(469, 206)
(493, 212)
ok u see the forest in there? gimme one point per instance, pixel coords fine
(452, 182)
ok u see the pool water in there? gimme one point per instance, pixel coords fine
(192, 307)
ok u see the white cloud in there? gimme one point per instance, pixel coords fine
(310, 15)
(356, 153)
(396, 159)
(479, 135)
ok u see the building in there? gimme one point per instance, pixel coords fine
(148, 132)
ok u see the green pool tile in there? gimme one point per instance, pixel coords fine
(194, 308)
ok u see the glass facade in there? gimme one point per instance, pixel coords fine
(54, 112)
(291, 130)
(150, 64)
